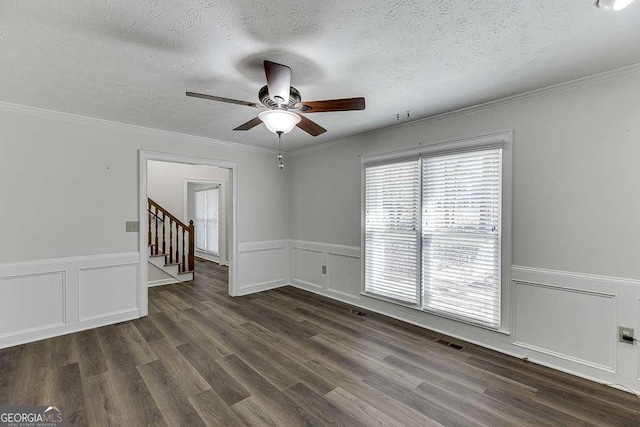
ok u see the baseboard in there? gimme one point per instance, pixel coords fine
(260, 287)
(208, 257)
(24, 337)
(162, 282)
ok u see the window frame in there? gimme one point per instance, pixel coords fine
(503, 140)
(217, 188)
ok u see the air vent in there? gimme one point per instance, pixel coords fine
(448, 344)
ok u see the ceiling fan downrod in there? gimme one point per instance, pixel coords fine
(280, 156)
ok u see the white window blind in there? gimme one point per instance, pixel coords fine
(206, 222)
(461, 234)
(392, 230)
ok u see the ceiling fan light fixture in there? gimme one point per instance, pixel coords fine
(613, 4)
(279, 121)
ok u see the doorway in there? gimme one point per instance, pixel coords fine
(148, 161)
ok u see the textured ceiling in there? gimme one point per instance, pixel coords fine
(131, 61)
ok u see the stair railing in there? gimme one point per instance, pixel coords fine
(161, 223)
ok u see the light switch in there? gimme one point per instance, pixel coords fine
(133, 226)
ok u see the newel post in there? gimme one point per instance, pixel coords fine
(192, 246)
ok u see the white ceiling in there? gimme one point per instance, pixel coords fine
(131, 61)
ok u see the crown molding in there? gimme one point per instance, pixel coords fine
(75, 118)
(623, 73)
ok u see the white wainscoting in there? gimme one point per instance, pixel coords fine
(342, 268)
(45, 298)
(567, 321)
(262, 266)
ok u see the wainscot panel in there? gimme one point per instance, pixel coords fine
(51, 297)
(263, 265)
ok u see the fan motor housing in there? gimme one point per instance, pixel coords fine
(265, 99)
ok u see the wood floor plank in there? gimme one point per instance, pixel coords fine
(176, 409)
(271, 369)
(185, 377)
(355, 412)
(608, 394)
(101, 401)
(132, 397)
(229, 389)
(213, 410)
(254, 413)
(148, 329)
(92, 360)
(590, 409)
(286, 410)
(10, 359)
(303, 374)
(316, 405)
(69, 394)
(64, 351)
(136, 345)
(34, 380)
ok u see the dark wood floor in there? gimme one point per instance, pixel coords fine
(288, 357)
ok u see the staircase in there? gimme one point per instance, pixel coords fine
(171, 243)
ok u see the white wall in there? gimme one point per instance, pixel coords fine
(85, 173)
(576, 211)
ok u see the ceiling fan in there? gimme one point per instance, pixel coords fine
(283, 106)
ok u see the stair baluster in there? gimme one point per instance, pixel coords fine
(149, 235)
(184, 265)
(156, 220)
(192, 241)
(170, 241)
(177, 243)
(164, 245)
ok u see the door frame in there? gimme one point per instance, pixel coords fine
(232, 256)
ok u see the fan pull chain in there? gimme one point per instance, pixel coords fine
(280, 156)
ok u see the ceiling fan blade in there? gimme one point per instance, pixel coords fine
(311, 127)
(278, 81)
(250, 124)
(345, 104)
(221, 99)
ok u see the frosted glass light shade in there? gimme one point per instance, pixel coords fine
(613, 4)
(279, 120)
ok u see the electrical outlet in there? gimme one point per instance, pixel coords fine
(133, 226)
(324, 269)
(625, 332)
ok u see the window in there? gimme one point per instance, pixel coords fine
(461, 213)
(206, 222)
(433, 232)
(392, 230)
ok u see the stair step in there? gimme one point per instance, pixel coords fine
(172, 263)
(186, 272)
(158, 255)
